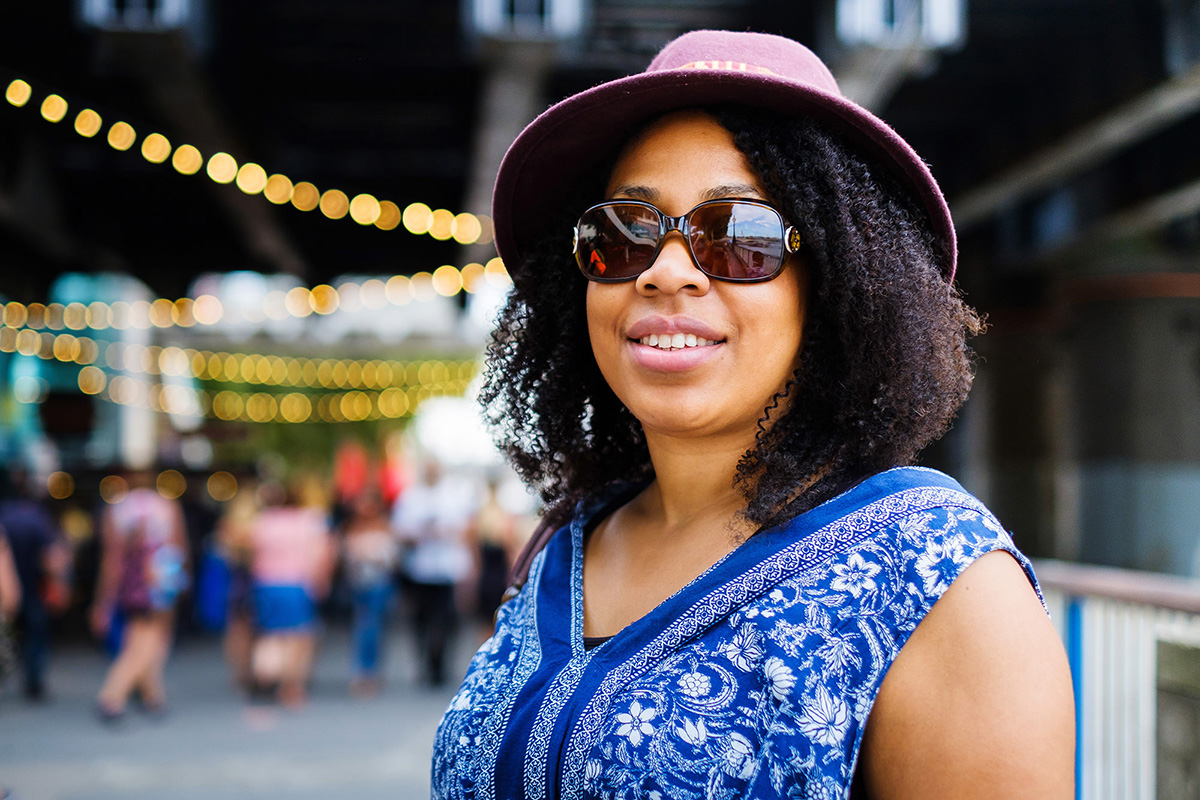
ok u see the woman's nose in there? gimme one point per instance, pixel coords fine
(673, 270)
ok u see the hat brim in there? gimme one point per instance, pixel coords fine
(571, 137)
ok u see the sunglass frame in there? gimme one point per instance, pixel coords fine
(666, 223)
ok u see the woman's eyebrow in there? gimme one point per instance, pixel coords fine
(731, 190)
(637, 192)
(725, 190)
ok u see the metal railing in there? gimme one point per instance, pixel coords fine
(1125, 632)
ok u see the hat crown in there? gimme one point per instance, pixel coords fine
(761, 53)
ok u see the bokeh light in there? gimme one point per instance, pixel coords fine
(121, 136)
(222, 486)
(170, 484)
(417, 218)
(251, 178)
(187, 160)
(18, 93)
(222, 168)
(156, 148)
(60, 485)
(496, 274)
(447, 281)
(92, 380)
(88, 123)
(334, 204)
(471, 275)
(113, 488)
(467, 228)
(207, 310)
(305, 196)
(389, 215)
(278, 189)
(364, 209)
(54, 108)
(441, 225)
(324, 299)
(299, 302)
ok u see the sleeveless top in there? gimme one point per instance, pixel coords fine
(754, 680)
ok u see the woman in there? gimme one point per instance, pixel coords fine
(741, 602)
(143, 570)
(371, 554)
(291, 568)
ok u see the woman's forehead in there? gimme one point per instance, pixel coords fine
(685, 152)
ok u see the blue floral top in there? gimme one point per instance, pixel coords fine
(754, 680)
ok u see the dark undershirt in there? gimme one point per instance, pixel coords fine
(592, 642)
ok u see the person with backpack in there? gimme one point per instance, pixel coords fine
(143, 570)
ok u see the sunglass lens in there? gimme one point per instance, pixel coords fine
(617, 241)
(737, 241)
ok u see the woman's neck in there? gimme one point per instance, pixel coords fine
(694, 478)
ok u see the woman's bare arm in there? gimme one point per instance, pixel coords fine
(978, 704)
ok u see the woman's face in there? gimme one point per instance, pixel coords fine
(753, 329)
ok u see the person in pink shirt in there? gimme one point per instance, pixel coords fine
(291, 567)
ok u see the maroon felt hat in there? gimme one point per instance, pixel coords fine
(698, 68)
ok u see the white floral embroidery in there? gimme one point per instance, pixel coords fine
(856, 576)
(593, 770)
(738, 755)
(745, 649)
(695, 684)
(636, 723)
(694, 733)
(825, 718)
(939, 562)
(780, 677)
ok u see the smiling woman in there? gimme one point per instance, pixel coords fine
(750, 591)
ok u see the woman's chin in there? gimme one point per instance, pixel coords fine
(687, 421)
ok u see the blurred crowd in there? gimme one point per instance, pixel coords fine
(418, 544)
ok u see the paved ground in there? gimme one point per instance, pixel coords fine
(215, 745)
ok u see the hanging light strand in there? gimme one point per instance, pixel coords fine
(364, 209)
(239, 368)
(262, 407)
(347, 297)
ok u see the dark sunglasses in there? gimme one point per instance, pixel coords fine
(743, 241)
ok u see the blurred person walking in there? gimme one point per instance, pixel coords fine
(431, 519)
(370, 555)
(291, 566)
(41, 561)
(234, 550)
(143, 570)
(493, 535)
(10, 601)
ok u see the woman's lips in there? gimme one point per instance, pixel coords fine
(671, 359)
(672, 343)
(659, 325)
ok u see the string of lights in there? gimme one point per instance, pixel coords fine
(243, 368)
(223, 168)
(261, 407)
(300, 302)
(170, 483)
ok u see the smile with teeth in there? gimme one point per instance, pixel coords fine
(677, 341)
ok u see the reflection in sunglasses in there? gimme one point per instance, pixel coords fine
(733, 240)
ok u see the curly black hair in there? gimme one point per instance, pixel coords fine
(884, 365)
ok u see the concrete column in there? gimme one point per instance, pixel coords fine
(1135, 399)
(512, 95)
